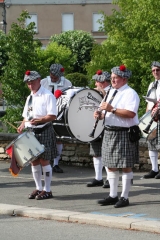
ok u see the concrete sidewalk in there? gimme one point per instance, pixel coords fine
(74, 202)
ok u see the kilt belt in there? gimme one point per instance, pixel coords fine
(115, 128)
(39, 130)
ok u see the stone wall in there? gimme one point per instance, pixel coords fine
(78, 153)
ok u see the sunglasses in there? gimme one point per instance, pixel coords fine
(156, 70)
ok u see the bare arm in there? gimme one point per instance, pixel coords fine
(42, 120)
(119, 112)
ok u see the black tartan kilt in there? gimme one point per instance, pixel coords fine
(153, 143)
(48, 139)
(96, 148)
(118, 151)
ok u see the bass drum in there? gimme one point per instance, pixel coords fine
(143, 123)
(78, 121)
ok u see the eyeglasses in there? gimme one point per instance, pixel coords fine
(156, 70)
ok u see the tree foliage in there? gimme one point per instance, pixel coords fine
(133, 39)
(21, 55)
(80, 43)
(3, 51)
(78, 79)
(54, 53)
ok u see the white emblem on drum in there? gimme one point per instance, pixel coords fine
(84, 103)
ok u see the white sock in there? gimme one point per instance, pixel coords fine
(106, 173)
(59, 150)
(37, 175)
(56, 160)
(113, 178)
(47, 172)
(126, 183)
(97, 161)
(154, 160)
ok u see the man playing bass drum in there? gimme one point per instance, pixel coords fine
(154, 92)
(54, 81)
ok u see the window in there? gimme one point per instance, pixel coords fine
(32, 19)
(96, 24)
(67, 22)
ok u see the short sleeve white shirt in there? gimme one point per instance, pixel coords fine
(126, 98)
(152, 95)
(48, 84)
(43, 103)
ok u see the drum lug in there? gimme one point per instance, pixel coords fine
(25, 158)
(27, 135)
(31, 153)
(17, 146)
(39, 150)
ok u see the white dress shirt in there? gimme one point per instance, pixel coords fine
(153, 93)
(62, 84)
(43, 103)
(126, 98)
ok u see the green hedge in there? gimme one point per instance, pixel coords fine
(78, 79)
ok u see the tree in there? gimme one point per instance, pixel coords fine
(22, 56)
(54, 53)
(80, 43)
(133, 39)
(78, 79)
(3, 51)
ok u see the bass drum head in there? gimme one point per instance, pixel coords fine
(79, 116)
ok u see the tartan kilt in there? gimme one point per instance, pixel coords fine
(96, 148)
(153, 144)
(48, 139)
(118, 151)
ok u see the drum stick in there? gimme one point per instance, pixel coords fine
(11, 124)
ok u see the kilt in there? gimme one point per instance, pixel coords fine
(152, 145)
(96, 148)
(48, 139)
(118, 151)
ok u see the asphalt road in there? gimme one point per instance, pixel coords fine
(70, 193)
(18, 228)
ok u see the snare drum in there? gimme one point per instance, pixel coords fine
(143, 123)
(26, 148)
(78, 121)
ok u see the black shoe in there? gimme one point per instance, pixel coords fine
(57, 169)
(34, 194)
(95, 183)
(151, 174)
(108, 201)
(122, 203)
(157, 176)
(106, 184)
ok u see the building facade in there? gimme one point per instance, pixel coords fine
(55, 16)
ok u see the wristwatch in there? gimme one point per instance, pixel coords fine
(113, 110)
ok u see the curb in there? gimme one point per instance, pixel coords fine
(81, 218)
